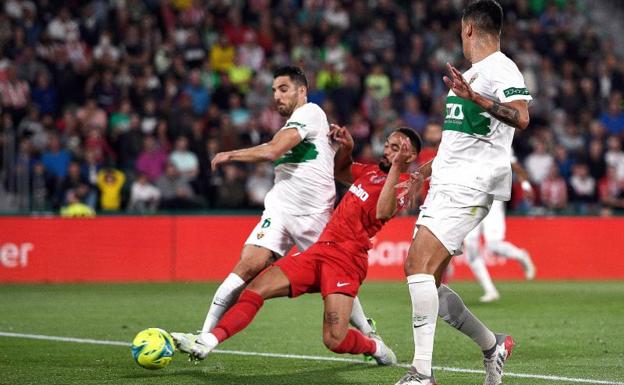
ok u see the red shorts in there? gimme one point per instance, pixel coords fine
(326, 268)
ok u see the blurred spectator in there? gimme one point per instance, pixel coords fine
(258, 185)
(554, 191)
(538, 163)
(92, 116)
(185, 161)
(128, 145)
(613, 117)
(413, 116)
(144, 197)
(42, 188)
(75, 208)
(44, 94)
(55, 159)
(615, 156)
(110, 182)
(596, 159)
(197, 92)
(62, 27)
(14, 94)
(564, 161)
(222, 55)
(582, 189)
(231, 192)
(176, 192)
(152, 160)
(78, 185)
(611, 192)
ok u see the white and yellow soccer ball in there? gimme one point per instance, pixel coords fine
(153, 348)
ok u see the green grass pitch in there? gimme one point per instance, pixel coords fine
(563, 329)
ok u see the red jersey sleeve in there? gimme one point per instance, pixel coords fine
(358, 169)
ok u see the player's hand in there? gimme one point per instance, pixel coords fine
(410, 189)
(402, 156)
(527, 191)
(458, 84)
(220, 158)
(341, 135)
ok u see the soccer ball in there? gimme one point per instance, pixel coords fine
(153, 348)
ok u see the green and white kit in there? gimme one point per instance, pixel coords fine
(302, 198)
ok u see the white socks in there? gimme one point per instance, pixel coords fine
(506, 249)
(424, 295)
(224, 298)
(208, 339)
(358, 318)
(477, 265)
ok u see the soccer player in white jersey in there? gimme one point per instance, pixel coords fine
(298, 206)
(471, 169)
(493, 229)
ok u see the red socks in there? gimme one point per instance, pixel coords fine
(248, 305)
(239, 316)
(356, 343)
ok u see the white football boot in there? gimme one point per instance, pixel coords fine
(383, 354)
(412, 377)
(204, 344)
(490, 296)
(184, 341)
(495, 362)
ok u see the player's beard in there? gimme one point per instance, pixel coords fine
(385, 166)
(286, 110)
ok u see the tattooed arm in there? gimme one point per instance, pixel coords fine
(514, 113)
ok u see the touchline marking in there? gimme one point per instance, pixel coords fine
(311, 358)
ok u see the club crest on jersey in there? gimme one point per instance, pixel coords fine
(359, 192)
(260, 234)
(473, 78)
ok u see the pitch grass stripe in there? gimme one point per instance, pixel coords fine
(312, 358)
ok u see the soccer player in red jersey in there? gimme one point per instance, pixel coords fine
(337, 263)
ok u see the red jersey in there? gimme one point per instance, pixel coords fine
(355, 221)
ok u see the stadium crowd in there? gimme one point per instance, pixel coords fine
(120, 105)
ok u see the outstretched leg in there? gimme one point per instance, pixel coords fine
(271, 283)
(253, 260)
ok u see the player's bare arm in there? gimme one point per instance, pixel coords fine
(425, 169)
(281, 143)
(514, 113)
(387, 203)
(523, 177)
(343, 158)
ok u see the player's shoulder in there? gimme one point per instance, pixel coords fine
(310, 109)
(501, 64)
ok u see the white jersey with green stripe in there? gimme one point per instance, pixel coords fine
(304, 176)
(476, 147)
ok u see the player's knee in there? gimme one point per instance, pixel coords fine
(248, 268)
(333, 340)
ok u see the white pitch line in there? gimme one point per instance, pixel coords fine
(312, 358)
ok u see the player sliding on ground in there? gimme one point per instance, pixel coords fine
(299, 204)
(337, 263)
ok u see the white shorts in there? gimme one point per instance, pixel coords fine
(450, 212)
(492, 226)
(279, 232)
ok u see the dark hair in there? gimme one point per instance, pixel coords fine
(486, 15)
(294, 73)
(413, 137)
